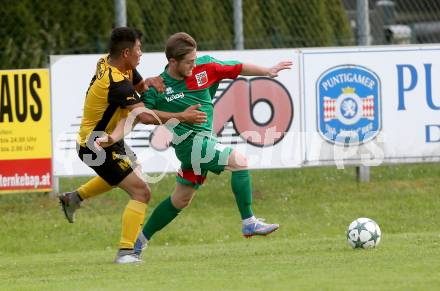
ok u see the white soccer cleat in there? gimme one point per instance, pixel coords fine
(259, 227)
(128, 259)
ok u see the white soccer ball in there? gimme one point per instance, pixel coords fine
(363, 233)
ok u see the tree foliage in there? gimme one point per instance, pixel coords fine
(32, 30)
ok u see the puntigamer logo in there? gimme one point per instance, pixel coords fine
(349, 111)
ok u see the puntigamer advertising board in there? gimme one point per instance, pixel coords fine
(371, 105)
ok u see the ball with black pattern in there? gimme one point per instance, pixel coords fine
(363, 233)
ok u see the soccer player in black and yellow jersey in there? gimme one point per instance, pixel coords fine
(110, 97)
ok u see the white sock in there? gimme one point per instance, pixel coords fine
(249, 220)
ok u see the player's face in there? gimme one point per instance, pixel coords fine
(134, 55)
(186, 65)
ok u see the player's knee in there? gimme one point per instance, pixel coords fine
(238, 161)
(182, 199)
(183, 203)
(142, 192)
(147, 193)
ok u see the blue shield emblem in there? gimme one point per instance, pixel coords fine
(349, 109)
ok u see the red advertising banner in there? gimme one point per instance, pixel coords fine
(25, 175)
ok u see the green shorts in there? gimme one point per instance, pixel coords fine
(198, 157)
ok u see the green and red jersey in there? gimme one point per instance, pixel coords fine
(199, 88)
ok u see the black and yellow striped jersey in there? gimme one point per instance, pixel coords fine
(109, 92)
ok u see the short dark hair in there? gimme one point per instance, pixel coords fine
(122, 38)
(178, 45)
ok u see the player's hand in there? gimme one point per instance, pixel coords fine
(156, 82)
(141, 87)
(192, 115)
(103, 142)
(285, 65)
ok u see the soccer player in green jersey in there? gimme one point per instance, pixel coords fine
(190, 80)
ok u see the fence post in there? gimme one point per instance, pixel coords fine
(120, 13)
(363, 23)
(363, 38)
(238, 25)
(55, 186)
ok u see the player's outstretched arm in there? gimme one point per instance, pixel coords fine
(190, 115)
(272, 72)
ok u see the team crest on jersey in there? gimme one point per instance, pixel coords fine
(201, 78)
(349, 110)
(100, 69)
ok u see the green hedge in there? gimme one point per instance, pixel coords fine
(32, 30)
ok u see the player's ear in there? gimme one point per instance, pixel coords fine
(125, 52)
(172, 61)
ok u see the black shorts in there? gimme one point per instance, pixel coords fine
(113, 164)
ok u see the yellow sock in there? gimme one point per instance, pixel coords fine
(132, 220)
(93, 187)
